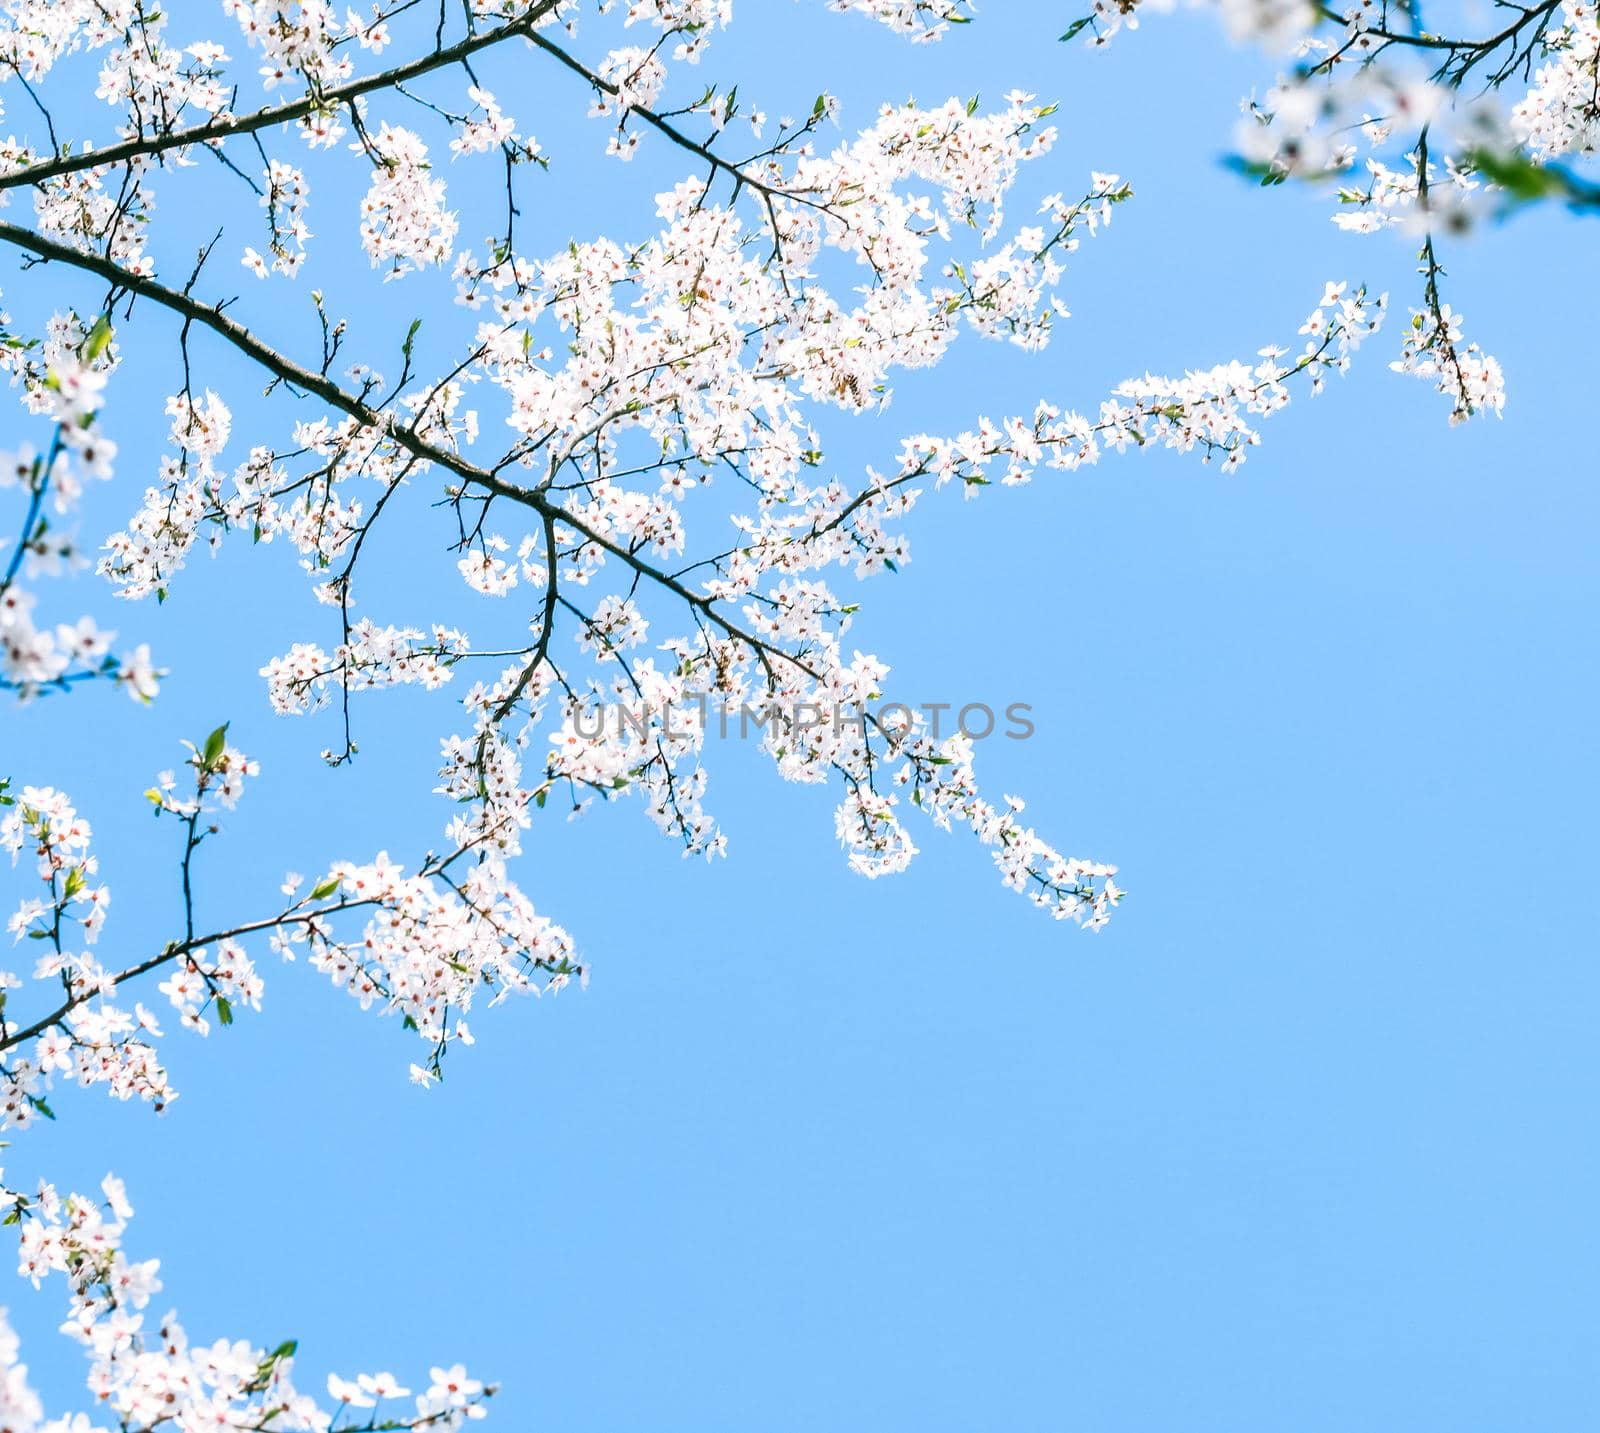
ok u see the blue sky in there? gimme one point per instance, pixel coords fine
(1304, 1140)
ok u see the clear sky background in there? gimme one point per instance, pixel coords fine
(1306, 1140)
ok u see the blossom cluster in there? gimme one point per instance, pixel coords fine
(1560, 114)
(146, 1373)
(285, 199)
(1433, 348)
(92, 1036)
(1421, 131)
(426, 948)
(404, 222)
(371, 656)
(63, 383)
(437, 941)
(922, 20)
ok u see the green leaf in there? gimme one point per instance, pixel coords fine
(1525, 181)
(224, 1010)
(211, 754)
(98, 340)
(1077, 27)
(1266, 174)
(326, 889)
(264, 1369)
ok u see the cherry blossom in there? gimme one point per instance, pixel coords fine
(146, 1373)
(621, 433)
(1560, 114)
